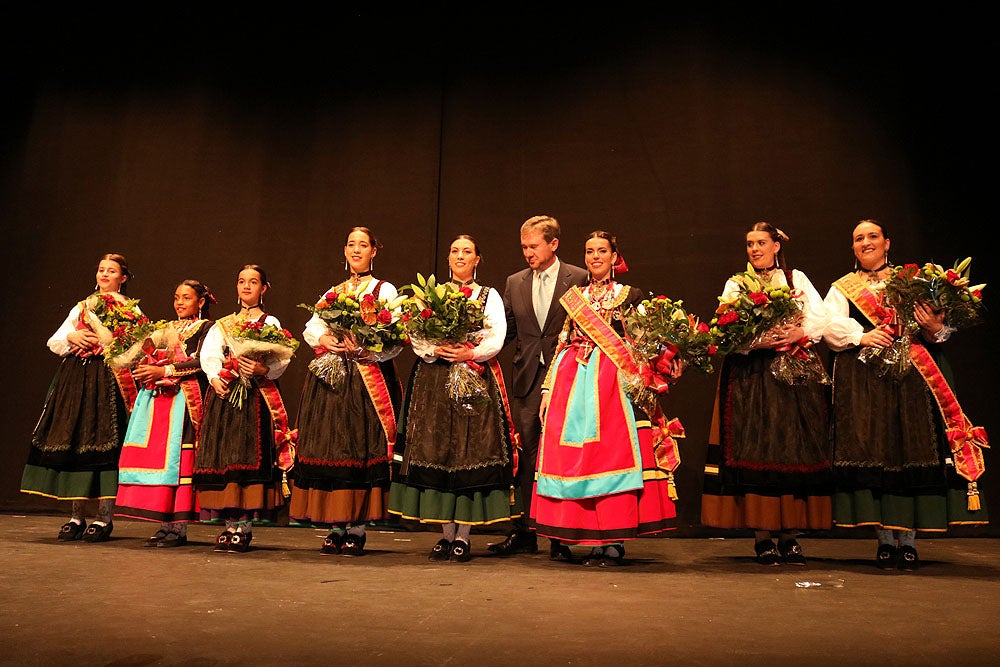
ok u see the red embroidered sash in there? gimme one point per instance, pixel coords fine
(965, 440)
(378, 391)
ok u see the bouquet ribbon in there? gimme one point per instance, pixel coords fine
(656, 373)
(799, 349)
(965, 440)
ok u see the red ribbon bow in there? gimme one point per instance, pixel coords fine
(656, 374)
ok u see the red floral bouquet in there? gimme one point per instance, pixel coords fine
(754, 315)
(946, 290)
(254, 340)
(660, 327)
(120, 326)
(374, 323)
(442, 314)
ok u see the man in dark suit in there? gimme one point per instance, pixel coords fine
(534, 319)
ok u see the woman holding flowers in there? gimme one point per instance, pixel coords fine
(347, 414)
(895, 469)
(154, 472)
(456, 444)
(768, 461)
(76, 443)
(603, 473)
(244, 439)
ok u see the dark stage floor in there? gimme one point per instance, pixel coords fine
(679, 601)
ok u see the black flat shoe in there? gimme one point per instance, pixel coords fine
(157, 537)
(461, 551)
(172, 540)
(239, 543)
(907, 561)
(791, 553)
(70, 531)
(561, 552)
(517, 542)
(440, 551)
(613, 561)
(354, 545)
(97, 533)
(222, 542)
(333, 543)
(885, 557)
(767, 553)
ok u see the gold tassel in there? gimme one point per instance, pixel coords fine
(511, 496)
(973, 495)
(285, 491)
(671, 487)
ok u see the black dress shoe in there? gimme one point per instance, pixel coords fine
(71, 531)
(333, 543)
(517, 542)
(767, 553)
(907, 561)
(561, 552)
(157, 537)
(222, 541)
(172, 540)
(461, 551)
(614, 555)
(239, 543)
(791, 553)
(354, 545)
(440, 551)
(97, 533)
(885, 557)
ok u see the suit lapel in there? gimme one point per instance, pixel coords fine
(524, 295)
(563, 283)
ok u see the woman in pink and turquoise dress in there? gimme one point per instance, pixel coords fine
(157, 461)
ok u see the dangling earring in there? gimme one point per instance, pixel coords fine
(199, 312)
(887, 262)
(260, 304)
(346, 267)
(449, 272)
(612, 271)
(371, 265)
(474, 269)
(855, 263)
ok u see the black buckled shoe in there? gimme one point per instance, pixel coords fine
(907, 561)
(440, 551)
(593, 559)
(157, 537)
(239, 543)
(71, 531)
(333, 543)
(97, 533)
(461, 551)
(885, 557)
(517, 542)
(767, 553)
(791, 553)
(614, 555)
(354, 545)
(222, 541)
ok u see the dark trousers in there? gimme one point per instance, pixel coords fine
(525, 415)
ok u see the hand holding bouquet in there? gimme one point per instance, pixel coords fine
(249, 343)
(943, 290)
(121, 328)
(759, 315)
(443, 314)
(372, 324)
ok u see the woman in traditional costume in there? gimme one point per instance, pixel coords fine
(456, 443)
(157, 460)
(77, 440)
(768, 462)
(244, 441)
(346, 429)
(602, 476)
(894, 467)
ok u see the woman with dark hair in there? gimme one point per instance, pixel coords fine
(157, 460)
(345, 432)
(77, 441)
(234, 469)
(892, 464)
(456, 461)
(598, 480)
(768, 460)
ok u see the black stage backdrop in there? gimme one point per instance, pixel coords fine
(196, 143)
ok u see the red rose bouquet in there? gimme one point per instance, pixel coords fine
(120, 326)
(374, 323)
(946, 290)
(254, 340)
(441, 314)
(659, 326)
(753, 315)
